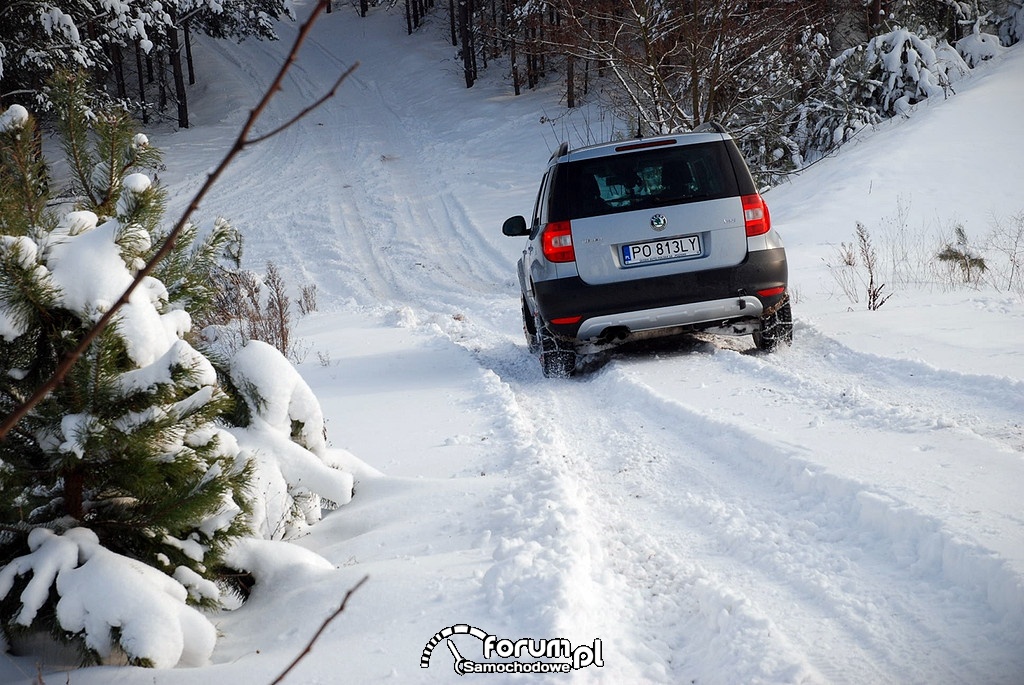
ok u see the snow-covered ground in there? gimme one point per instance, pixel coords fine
(845, 511)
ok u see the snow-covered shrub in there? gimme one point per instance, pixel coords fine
(978, 46)
(822, 113)
(963, 262)
(895, 70)
(283, 435)
(165, 633)
(1011, 25)
(771, 125)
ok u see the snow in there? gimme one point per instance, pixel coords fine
(14, 117)
(844, 511)
(286, 439)
(148, 609)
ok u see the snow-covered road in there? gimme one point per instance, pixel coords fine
(712, 513)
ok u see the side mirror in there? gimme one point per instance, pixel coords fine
(515, 226)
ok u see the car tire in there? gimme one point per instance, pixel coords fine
(530, 330)
(776, 328)
(557, 354)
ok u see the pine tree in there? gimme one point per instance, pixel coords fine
(124, 461)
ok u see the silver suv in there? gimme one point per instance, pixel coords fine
(645, 237)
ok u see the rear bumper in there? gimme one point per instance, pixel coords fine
(699, 299)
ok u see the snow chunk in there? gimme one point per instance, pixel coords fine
(179, 355)
(278, 394)
(14, 117)
(274, 562)
(289, 480)
(136, 183)
(285, 441)
(50, 555)
(87, 265)
(76, 429)
(198, 587)
(148, 610)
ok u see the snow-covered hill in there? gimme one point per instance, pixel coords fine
(844, 511)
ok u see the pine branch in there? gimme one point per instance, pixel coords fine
(242, 142)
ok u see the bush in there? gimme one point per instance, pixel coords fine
(961, 258)
(858, 269)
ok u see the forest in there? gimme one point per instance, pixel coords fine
(794, 79)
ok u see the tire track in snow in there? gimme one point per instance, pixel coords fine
(828, 402)
(738, 541)
(755, 549)
(384, 225)
(551, 574)
(900, 394)
(964, 579)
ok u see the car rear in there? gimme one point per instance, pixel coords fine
(663, 233)
(649, 237)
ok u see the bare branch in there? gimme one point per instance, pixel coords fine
(241, 142)
(309, 645)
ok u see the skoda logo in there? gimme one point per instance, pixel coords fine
(659, 222)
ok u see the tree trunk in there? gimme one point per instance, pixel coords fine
(570, 81)
(179, 78)
(467, 40)
(161, 81)
(875, 15)
(451, 21)
(142, 83)
(515, 68)
(118, 68)
(188, 55)
(74, 497)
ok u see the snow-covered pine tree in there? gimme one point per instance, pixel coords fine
(123, 494)
(123, 466)
(897, 69)
(1011, 23)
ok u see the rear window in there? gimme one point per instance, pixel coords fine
(642, 180)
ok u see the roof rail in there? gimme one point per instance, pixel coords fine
(563, 149)
(710, 127)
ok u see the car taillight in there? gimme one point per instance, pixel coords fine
(755, 215)
(556, 242)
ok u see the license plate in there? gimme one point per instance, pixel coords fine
(660, 250)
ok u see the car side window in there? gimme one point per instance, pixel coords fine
(536, 204)
(540, 207)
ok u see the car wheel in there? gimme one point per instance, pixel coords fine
(530, 330)
(776, 328)
(557, 355)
